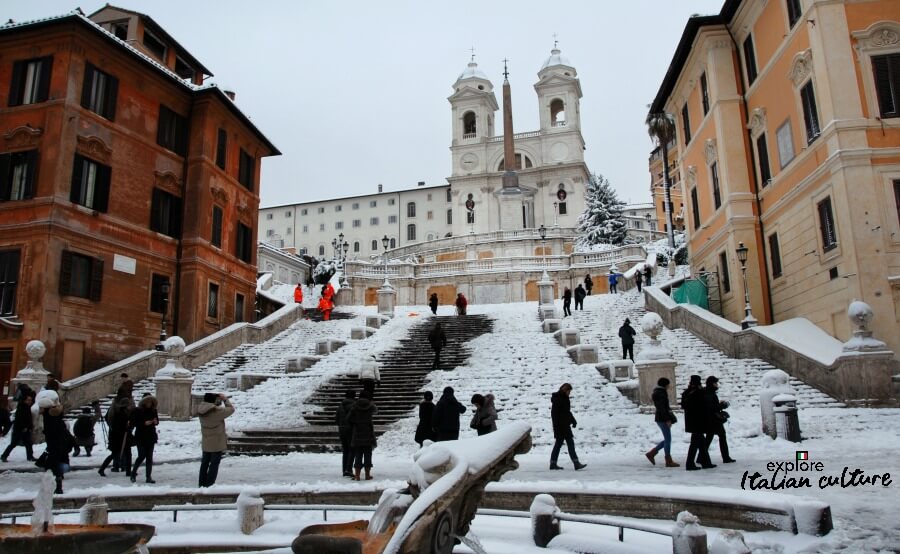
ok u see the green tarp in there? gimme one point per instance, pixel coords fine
(692, 292)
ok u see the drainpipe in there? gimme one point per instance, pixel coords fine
(762, 229)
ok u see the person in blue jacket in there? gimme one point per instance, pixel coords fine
(613, 282)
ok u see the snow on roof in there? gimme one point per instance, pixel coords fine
(556, 58)
(472, 72)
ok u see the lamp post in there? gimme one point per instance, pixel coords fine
(343, 281)
(649, 229)
(749, 320)
(384, 242)
(556, 214)
(334, 248)
(165, 306)
(543, 232)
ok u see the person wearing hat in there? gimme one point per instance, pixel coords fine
(213, 411)
(717, 416)
(695, 423)
(627, 333)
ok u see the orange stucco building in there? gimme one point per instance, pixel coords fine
(788, 124)
(658, 188)
(121, 176)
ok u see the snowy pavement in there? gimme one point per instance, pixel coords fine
(522, 366)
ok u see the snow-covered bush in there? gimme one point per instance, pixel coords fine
(323, 272)
(664, 252)
(602, 220)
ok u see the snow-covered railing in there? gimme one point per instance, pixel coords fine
(527, 134)
(484, 265)
(445, 244)
(624, 253)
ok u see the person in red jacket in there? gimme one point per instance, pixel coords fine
(461, 304)
(325, 306)
(328, 292)
(298, 294)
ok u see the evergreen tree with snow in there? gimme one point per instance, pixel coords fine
(602, 221)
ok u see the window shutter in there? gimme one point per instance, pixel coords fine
(15, 86)
(96, 279)
(101, 189)
(77, 173)
(181, 135)
(65, 273)
(162, 125)
(87, 86)
(154, 210)
(31, 158)
(5, 181)
(881, 66)
(112, 96)
(44, 84)
(175, 218)
(762, 149)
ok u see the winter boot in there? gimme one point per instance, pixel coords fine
(671, 463)
(554, 465)
(368, 475)
(579, 465)
(59, 489)
(651, 455)
(356, 473)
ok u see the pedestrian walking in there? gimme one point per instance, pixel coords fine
(627, 333)
(325, 306)
(588, 283)
(664, 419)
(695, 423)
(438, 340)
(461, 304)
(145, 419)
(425, 429)
(579, 297)
(84, 429)
(717, 416)
(298, 294)
(613, 282)
(563, 423)
(433, 303)
(647, 273)
(345, 431)
(567, 302)
(363, 435)
(369, 376)
(119, 440)
(484, 416)
(446, 416)
(21, 426)
(59, 440)
(213, 411)
(5, 419)
(638, 279)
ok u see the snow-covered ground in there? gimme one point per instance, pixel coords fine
(522, 366)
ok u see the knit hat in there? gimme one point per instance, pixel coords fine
(711, 379)
(211, 397)
(695, 380)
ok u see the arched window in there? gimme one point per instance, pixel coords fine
(411, 209)
(393, 243)
(430, 237)
(449, 217)
(321, 250)
(411, 232)
(470, 127)
(356, 246)
(374, 244)
(519, 160)
(449, 196)
(557, 113)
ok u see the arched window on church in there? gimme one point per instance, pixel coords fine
(470, 127)
(411, 209)
(356, 246)
(393, 243)
(374, 244)
(411, 232)
(519, 159)
(557, 113)
(321, 250)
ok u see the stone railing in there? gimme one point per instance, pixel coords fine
(455, 243)
(797, 346)
(143, 365)
(525, 135)
(463, 267)
(626, 253)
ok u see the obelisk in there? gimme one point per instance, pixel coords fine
(510, 196)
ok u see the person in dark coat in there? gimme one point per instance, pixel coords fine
(627, 333)
(145, 419)
(119, 440)
(438, 340)
(433, 303)
(84, 429)
(425, 429)
(446, 416)
(461, 304)
(579, 297)
(563, 422)
(484, 418)
(5, 419)
(647, 273)
(638, 280)
(21, 427)
(717, 416)
(664, 418)
(695, 423)
(588, 284)
(362, 439)
(345, 431)
(56, 434)
(567, 302)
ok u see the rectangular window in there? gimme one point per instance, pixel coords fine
(410, 232)
(306, 228)
(270, 217)
(695, 208)
(357, 223)
(704, 91)
(897, 198)
(373, 203)
(244, 243)
(238, 308)
(750, 60)
(216, 235)
(321, 226)
(411, 209)
(246, 170)
(90, 184)
(171, 132)
(794, 11)
(449, 195)
(723, 272)
(392, 201)
(563, 209)
(158, 297)
(355, 205)
(81, 276)
(99, 92)
(373, 221)
(155, 46)
(686, 123)
(221, 148)
(810, 112)
(887, 84)
(165, 213)
(338, 225)
(304, 211)
(338, 207)
(392, 219)
(430, 214)
(270, 233)
(120, 30)
(449, 217)
(287, 214)
(826, 225)
(30, 83)
(9, 281)
(17, 175)
(212, 301)
(775, 255)
(717, 193)
(762, 152)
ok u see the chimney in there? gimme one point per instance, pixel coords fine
(421, 183)
(380, 187)
(230, 94)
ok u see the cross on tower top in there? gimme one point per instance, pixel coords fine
(555, 42)
(505, 70)
(473, 53)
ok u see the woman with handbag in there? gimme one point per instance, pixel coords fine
(664, 419)
(717, 418)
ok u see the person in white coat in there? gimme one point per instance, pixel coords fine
(369, 375)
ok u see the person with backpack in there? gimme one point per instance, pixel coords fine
(484, 418)
(461, 304)
(613, 282)
(345, 431)
(362, 439)
(84, 429)
(446, 416)
(59, 440)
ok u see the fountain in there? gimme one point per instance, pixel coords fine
(433, 513)
(44, 536)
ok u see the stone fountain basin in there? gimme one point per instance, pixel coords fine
(75, 539)
(344, 538)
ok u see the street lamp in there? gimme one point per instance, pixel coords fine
(343, 280)
(556, 214)
(165, 306)
(649, 230)
(334, 248)
(543, 232)
(749, 320)
(384, 242)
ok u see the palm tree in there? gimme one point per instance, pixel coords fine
(661, 127)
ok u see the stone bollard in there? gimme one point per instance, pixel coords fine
(584, 353)
(567, 337)
(387, 299)
(731, 542)
(787, 421)
(327, 346)
(94, 512)
(292, 364)
(654, 361)
(173, 383)
(33, 374)
(544, 523)
(551, 325)
(250, 508)
(344, 296)
(616, 370)
(307, 362)
(774, 382)
(376, 321)
(547, 311)
(360, 333)
(688, 537)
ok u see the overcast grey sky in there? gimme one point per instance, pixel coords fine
(354, 93)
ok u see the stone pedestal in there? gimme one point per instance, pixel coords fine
(510, 200)
(544, 523)
(251, 509)
(687, 536)
(173, 383)
(307, 362)
(33, 374)
(344, 296)
(547, 311)
(327, 346)
(387, 299)
(292, 364)
(376, 321)
(359, 333)
(787, 421)
(583, 353)
(567, 337)
(616, 370)
(545, 291)
(551, 325)
(654, 361)
(94, 512)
